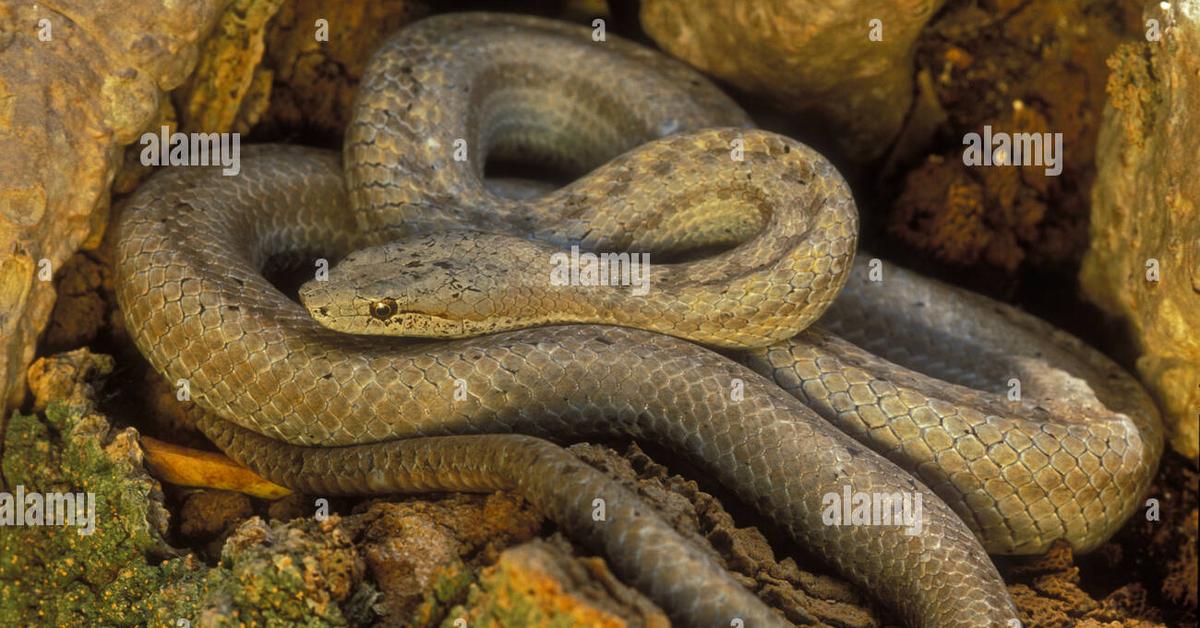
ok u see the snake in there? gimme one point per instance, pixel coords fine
(766, 348)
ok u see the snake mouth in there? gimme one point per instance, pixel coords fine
(420, 324)
(416, 324)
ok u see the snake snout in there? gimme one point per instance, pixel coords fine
(321, 301)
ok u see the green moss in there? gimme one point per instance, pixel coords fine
(53, 574)
(118, 575)
(450, 586)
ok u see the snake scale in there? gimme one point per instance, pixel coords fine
(327, 412)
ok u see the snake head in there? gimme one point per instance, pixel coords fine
(445, 285)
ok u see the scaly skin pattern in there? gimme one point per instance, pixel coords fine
(328, 412)
(642, 547)
(486, 87)
(1067, 460)
(795, 211)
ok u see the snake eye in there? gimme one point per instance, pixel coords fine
(384, 309)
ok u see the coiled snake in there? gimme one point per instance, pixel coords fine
(675, 167)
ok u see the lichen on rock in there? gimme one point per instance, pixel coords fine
(305, 572)
(541, 583)
(123, 571)
(1144, 261)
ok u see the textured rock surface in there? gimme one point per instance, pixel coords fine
(229, 89)
(1049, 594)
(315, 81)
(541, 583)
(101, 68)
(125, 573)
(208, 516)
(805, 56)
(1146, 206)
(305, 572)
(52, 575)
(423, 554)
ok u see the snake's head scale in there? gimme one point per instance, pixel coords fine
(445, 285)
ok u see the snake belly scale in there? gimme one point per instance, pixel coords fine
(334, 413)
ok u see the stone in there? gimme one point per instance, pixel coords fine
(229, 89)
(806, 57)
(101, 67)
(1143, 264)
(541, 583)
(315, 81)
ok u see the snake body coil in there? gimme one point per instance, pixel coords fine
(328, 412)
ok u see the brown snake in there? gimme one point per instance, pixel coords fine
(326, 412)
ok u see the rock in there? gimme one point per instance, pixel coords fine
(229, 89)
(422, 554)
(1181, 582)
(1171, 543)
(290, 507)
(227, 93)
(68, 378)
(80, 311)
(806, 56)
(315, 81)
(101, 68)
(302, 572)
(540, 583)
(124, 570)
(974, 216)
(1047, 593)
(207, 514)
(1146, 213)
